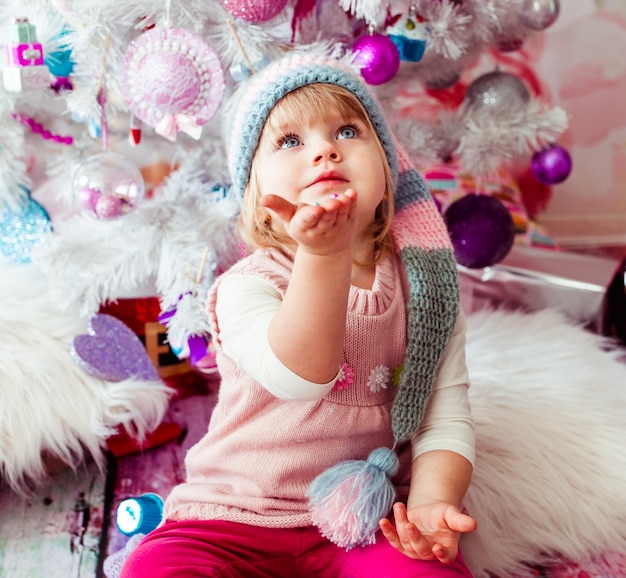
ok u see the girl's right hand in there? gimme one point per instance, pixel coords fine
(321, 229)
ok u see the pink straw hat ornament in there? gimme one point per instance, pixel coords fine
(173, 81)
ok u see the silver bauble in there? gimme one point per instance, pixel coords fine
(496, 90)
(539, 14)
(443, 79)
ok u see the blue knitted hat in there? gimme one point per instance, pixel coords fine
(257, 99)
(348, 500)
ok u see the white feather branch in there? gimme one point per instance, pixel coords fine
(490, 138)
(450, 33)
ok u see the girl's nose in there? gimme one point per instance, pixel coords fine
(326, 150)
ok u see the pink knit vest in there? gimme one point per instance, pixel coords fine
(260, 453)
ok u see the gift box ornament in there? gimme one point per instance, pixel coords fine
(24, 54)
(589, 289)
(22, 31)
(24, 59)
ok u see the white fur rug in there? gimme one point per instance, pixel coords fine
(548, 398)
(549, 405)
(48, 404)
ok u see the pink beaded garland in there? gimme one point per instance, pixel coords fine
(172, 80)
(38, 128)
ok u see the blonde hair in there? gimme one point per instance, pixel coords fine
(254, 226)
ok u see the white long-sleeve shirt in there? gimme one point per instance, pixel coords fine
(246, 306)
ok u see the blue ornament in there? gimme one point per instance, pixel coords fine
(410, 35)
(139, 515)
(59, 62)
(22, 229)
(240, 70)
(481, 230)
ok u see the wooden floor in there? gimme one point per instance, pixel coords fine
(159, 469)
(56, 532)
(67, 528)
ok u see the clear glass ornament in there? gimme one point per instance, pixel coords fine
(108, 184)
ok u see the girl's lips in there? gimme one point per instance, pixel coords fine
(329, 179)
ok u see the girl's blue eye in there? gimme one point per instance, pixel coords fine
(289, 141)
(348, 132)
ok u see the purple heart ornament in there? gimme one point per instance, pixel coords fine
(111, 351)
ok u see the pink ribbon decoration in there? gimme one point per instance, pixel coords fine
(170, 124)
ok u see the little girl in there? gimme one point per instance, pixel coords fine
(340, 346)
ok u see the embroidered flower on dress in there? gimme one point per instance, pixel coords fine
(378, 379)
(346, 377)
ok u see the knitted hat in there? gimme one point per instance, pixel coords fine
(348, 500)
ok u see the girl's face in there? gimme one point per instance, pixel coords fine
(309, 159)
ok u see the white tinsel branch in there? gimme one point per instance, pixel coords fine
(430, 143)
(372, 11)
(449, 27)
(90, 261)
(13, 180)
(490, 138)
(486, 17)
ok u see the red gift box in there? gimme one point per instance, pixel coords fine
(24, 54)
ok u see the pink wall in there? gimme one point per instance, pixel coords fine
(582, 62)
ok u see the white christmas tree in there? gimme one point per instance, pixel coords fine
(94, 91)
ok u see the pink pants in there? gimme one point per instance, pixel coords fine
(213, 548)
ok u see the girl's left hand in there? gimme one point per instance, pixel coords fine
(427, 531)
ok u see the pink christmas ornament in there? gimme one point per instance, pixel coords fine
(88, 197)
(377, 57)
(172, 81)
(254, 10)
(109, 207)
(108, 184)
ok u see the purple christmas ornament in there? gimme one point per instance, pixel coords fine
(481, 229)
(377, 57)
(111, 351)
(552, 165)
